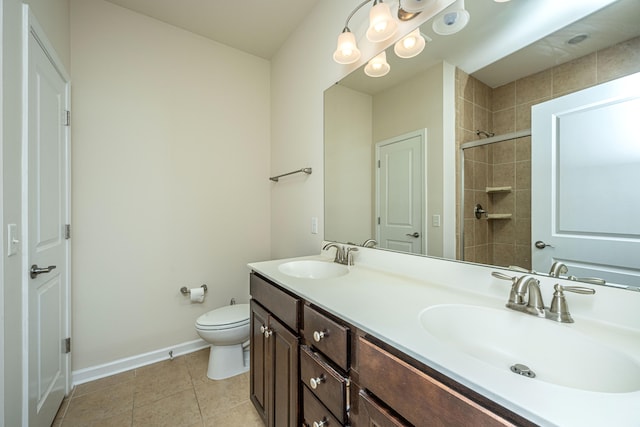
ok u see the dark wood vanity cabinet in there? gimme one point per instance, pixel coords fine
(310, 368)
(324, 366)
(274, 378)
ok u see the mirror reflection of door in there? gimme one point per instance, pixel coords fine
(400, 194)
(586, 170)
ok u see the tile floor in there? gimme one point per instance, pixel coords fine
(172, 393)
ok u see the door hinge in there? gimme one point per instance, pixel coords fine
(378, 220)
(67, 118)
(66, 345)
(378, 164)
(67, 231)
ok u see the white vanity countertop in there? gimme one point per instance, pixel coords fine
(385, 293)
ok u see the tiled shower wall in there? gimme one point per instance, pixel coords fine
(507, 109)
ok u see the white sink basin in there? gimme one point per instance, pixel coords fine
(553, 351)
(310, 269)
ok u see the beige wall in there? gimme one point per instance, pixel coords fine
(349, 156)
(170, 179)
(300, 72)
(507, 109)
(412, 105)
(53, 16)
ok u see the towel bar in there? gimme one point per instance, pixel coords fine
(303, 170)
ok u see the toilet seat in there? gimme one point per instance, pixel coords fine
(228, 317)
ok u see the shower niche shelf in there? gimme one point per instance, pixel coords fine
(498, 216)
(495, 190)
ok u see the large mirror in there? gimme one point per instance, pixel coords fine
(462, 104)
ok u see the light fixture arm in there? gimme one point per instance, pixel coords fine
(358, 7)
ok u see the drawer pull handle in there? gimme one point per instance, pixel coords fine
(315, 382)
(317, 336)
(320, 423)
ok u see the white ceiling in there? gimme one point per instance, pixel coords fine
(495, 30)
(258, 27)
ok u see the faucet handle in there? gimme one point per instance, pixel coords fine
(514, 299)
(349, 255)
(592, 280)
(559, 309)
(499, 275)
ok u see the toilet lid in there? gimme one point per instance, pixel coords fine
(229, 316)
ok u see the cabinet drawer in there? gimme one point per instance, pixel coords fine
(373, 413)
(327, 336)
(324, 382)
(315, 412)
(284, 306)
(416, 396)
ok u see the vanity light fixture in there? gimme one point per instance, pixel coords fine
(409, 9)
(377, 66)
(410, 45)
(382, 26)
(451, 20)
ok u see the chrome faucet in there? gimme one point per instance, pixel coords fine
(529, 286)
(368, 242)
(343, 256)
(521, 287)
(558, 268)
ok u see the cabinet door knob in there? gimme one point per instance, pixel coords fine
(315, 382)
(317, 336)
(266, 331)
(320, 423)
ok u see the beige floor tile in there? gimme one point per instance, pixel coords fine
(180, 409)
(197, 363)
(102, 383)
(168, 393)
(122, 420)
(99, 405)
(160, 380)
(215, 397)
(243, 415)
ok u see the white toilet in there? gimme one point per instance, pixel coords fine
(227, 330)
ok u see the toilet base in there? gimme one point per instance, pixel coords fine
(226, 361)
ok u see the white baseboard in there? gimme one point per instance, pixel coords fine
(96, 372)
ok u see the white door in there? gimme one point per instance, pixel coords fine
(585, 175)
(46, 211)
(400, 193)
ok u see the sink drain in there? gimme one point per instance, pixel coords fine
(523, 370)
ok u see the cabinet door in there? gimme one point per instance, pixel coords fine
(259, 350)
(284, 362)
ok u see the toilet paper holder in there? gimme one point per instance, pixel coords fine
(186, 291)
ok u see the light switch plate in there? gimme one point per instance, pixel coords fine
(12, 239)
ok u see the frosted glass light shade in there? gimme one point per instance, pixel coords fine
(451, 21)
(378, 66)
(381, 23)
(410, 45)
(347, 51)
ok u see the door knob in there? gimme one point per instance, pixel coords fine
(415, 234)
(541, 245)
(35, 270)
